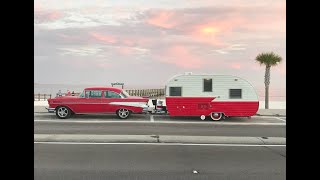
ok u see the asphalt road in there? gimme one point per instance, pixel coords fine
(92, 161)
(159, 125)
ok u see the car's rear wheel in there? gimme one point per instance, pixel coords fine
(216, 116)
(123, 113)
(63, 112)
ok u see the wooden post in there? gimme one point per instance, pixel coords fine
(39, 97)
(44, 96)
(50, 96)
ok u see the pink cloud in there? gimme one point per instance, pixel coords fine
(162, 18)
(68, 37)
(37, 6)
(54, 15)
(127, 42)
(208, 28)
(281, 69)
(236, 66)
(47, 16)
(104, 65)
(212, 31)
(89, 10)
(181, 57)
(104, 38)
(125, 50)
(255, 67)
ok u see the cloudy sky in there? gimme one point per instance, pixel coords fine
(145, 42)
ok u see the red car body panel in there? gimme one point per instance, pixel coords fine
(80, 105)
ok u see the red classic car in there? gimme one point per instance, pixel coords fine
(98, 100)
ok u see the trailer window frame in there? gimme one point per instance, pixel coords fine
(175, 87)
(204, 86)
(232, 94)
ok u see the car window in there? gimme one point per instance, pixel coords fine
(125, 94)
(93, 94)
(111, 94)
(82, 94)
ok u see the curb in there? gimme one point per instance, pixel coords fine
(92, 138)
(223, 140)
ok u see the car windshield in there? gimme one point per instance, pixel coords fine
(124, 94)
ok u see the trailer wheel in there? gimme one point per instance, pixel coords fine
(216, 116)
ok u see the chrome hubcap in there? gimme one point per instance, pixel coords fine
(123, 113)
(62, 112)
(216, 116)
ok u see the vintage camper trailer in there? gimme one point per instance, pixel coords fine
(204, 95)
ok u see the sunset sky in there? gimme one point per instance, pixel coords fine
(145, 42)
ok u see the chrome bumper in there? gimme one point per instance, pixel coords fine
(50, 110)
(145, 109)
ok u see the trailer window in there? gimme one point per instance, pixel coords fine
(175, 91)
(235, 93)
(207, 85)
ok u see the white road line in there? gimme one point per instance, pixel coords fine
(151, 118)
(264, 117)
(162, 144)
(162, 122)
(279, 119)
(88, 121)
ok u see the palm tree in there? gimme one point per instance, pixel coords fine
(268, 59)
